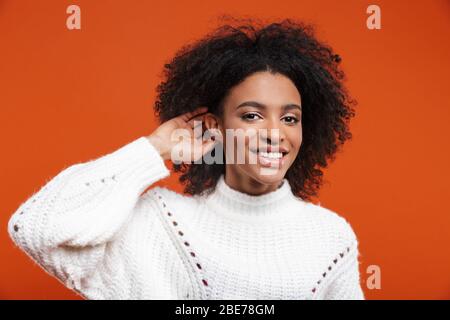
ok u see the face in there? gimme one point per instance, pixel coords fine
(269, 106)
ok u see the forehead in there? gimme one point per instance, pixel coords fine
(265, 87)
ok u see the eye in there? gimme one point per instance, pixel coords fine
(250, 116)
(291, 120)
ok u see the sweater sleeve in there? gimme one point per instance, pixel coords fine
(66, 225)
(346, 284)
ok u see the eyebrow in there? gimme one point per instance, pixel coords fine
(255, 104)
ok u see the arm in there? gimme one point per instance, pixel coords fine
(66, 225)
(346, 285)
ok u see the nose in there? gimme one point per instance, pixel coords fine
(274, 134)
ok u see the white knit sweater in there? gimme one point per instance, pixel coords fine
(96, 229)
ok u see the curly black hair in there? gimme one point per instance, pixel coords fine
(202, 73)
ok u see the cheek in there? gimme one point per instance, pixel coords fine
(295, 138)
(295, 143)
(300, 138)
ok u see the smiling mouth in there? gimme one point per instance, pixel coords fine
(270, 154)
(270, 159)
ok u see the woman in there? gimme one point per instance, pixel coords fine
(244, 229)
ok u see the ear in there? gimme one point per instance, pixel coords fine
(213, 124)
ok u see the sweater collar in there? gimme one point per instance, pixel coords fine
(236, 203)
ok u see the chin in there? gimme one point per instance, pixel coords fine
(267, 175)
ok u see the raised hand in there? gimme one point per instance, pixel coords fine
(177, 136)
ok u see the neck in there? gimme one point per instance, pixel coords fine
(234, 203)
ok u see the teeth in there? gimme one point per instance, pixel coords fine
(273, 155)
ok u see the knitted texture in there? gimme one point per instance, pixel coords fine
(100, 230)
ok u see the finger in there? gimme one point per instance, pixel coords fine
(199, 119)
(197, 135)
(189, 115)
(199, 115)
(198, 128)
(195, 132)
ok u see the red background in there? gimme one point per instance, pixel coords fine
(72, 95)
